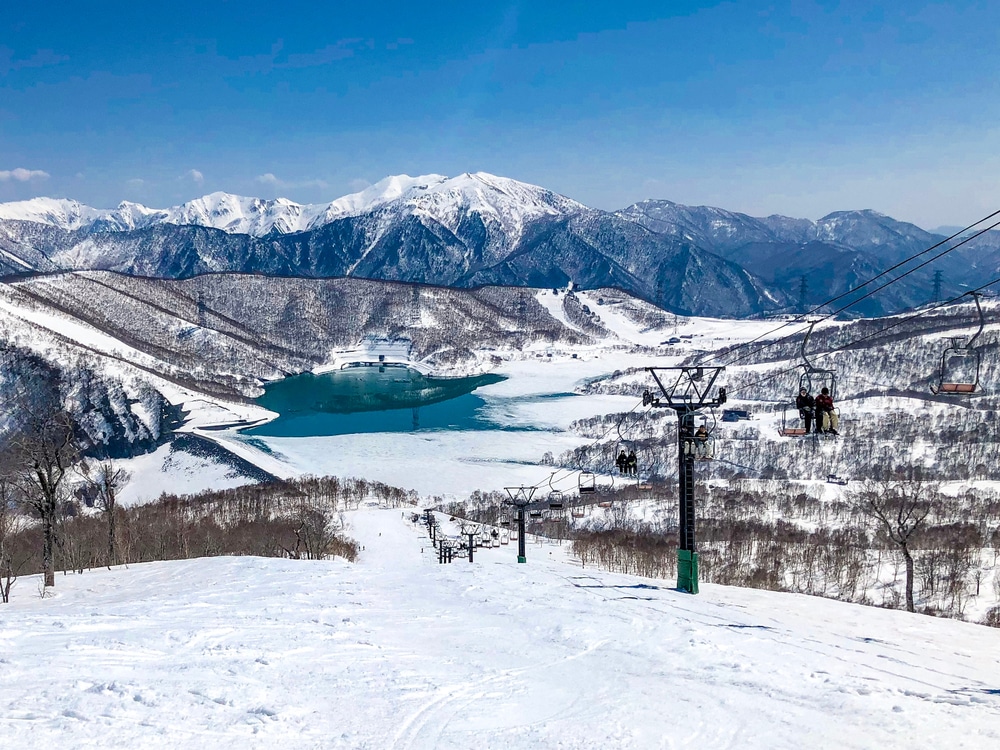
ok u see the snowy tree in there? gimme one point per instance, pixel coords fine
(106, 480)
(899, 509)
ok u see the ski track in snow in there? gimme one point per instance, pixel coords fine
(398, 652)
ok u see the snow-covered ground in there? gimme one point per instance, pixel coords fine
(396, 651)
(184, 474)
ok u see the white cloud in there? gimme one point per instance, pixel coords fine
(136, 182)
(22, 175)
(269, 179)
(194, 175)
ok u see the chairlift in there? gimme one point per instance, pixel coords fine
(791, 427)
(960, 363)
(555, 500)
(702, 447)
(814, 380)
(535, 513)
(836, 479)
(505, 537)
(587, 483)
(626, 455)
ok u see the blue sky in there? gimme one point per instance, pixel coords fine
(799, 108)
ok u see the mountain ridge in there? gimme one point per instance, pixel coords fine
(478, 228)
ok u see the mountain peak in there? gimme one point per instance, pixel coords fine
(61, 212)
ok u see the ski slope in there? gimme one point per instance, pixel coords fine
(397, 652)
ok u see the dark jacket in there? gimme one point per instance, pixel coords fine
(805, 402)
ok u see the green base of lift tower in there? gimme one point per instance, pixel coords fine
(687, 571)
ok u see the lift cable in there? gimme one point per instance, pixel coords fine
(869, 294)
(804, 317)
(569, 472)
(852, 344)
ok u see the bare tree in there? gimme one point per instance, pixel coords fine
(10, 524)
(44, 450)
(106, 480)
(900, 509)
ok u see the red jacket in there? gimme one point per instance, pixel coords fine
(824, 403)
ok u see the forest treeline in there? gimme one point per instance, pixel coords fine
(776, 536)
(299, 519)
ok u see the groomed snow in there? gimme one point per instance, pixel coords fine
(396, 652)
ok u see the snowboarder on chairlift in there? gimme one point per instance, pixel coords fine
(826, 417)
(806, 405)
(622, 462)
(632, 464)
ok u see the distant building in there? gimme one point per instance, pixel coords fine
(385, 349)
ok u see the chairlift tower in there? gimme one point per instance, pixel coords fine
(520, 498)
(686, 390)
(471, 530)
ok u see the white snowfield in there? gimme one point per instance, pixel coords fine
(397, 652)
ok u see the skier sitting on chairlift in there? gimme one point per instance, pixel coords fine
(622, 462)
(701, 443)
(806, 405)
(826, 418)
(632, 464)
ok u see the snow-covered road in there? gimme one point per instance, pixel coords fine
(396, 651)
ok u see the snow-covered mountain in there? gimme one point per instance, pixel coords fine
(724, 232)
(510, 202)
(56, 212)
(464, 231)
(823, 258)
(477, 228)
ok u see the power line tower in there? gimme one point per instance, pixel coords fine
(202, 311)
(686, 390)
(937, 286)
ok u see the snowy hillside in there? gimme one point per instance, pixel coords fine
(218, 339)
(396, 651)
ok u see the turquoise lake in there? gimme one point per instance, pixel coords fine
(373, 399)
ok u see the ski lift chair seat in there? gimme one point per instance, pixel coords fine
(958, 388)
